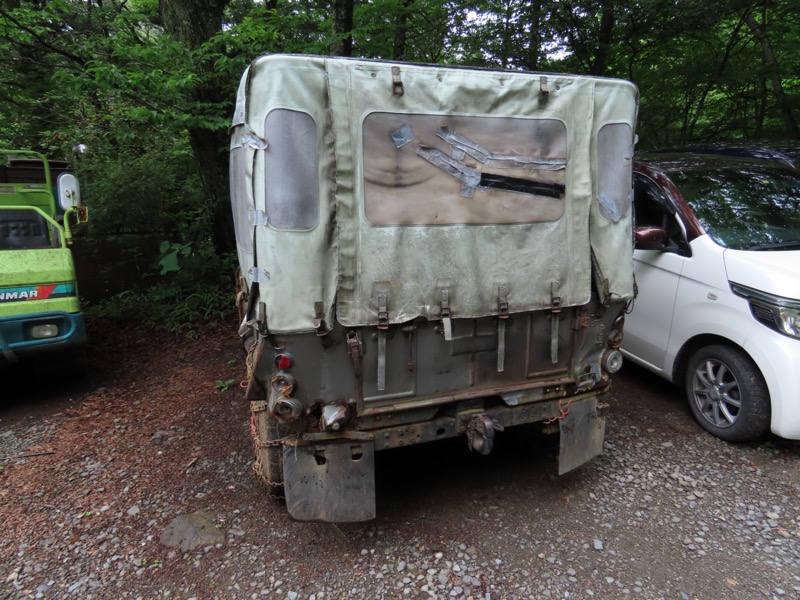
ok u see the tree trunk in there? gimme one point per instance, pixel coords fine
(772, 71)
(712, 82)
(604, 38)
(193, 23)
(401, 31)
(534, 50)
(343, 27)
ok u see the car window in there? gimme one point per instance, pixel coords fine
(23, 229)
(745, 207)
(651, 208)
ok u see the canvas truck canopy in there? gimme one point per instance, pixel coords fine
(375, 193)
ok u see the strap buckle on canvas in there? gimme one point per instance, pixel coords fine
(447, 324)
(383, 327)
(383, 312)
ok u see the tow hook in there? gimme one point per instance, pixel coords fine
(480, 433)
(333, 415)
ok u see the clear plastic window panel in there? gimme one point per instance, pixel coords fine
(290, 162)
(615, 170)
(244, 235)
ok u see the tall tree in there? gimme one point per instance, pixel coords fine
(342, 28)
(195, 23)
(771, 68)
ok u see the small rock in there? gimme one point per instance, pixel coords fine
(192, 531)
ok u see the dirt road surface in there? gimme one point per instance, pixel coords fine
(93, 473)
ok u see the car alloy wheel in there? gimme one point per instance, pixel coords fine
(727, 393)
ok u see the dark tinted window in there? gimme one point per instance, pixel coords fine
(744, 206)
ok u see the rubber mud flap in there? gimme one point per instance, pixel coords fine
(331, 482)
(582, 433)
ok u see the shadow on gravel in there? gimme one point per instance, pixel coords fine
(35, 390)
(441, 479)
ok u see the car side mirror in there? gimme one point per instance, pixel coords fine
(650, 238)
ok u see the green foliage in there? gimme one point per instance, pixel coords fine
(183, 301)
(169, 255)
(150, 186)
(223, 386)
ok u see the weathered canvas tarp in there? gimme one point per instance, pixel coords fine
(387, 190)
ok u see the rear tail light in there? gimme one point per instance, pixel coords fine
(283, 362)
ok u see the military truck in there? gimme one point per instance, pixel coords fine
(40, 313)
(426, 252)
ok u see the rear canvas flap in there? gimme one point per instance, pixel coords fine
(397, 191)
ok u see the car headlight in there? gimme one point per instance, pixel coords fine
(789, 320)
(777, 313)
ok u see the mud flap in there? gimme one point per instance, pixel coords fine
(332, 482)
(582, 433)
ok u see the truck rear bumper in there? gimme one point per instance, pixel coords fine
(20, 334)
(329, 477)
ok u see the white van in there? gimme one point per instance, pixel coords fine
(718, 272)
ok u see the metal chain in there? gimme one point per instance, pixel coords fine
(258, 443)
(248, 361)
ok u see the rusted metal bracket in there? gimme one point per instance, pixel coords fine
(544, 93)
(355, 350)
(354, 346)
(480, 433)
(397, 83)
(319, 320)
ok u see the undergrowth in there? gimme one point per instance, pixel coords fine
(199, 292)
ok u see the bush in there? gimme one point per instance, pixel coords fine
(199, 292)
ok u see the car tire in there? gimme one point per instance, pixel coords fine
(727, 394)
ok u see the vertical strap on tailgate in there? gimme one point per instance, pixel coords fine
(555, 313)
(383, 326)
(502, 315)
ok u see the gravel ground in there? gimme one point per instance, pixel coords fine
(159, 432)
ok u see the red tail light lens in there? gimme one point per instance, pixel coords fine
(283, 362)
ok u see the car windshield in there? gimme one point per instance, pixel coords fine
(745, 207)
